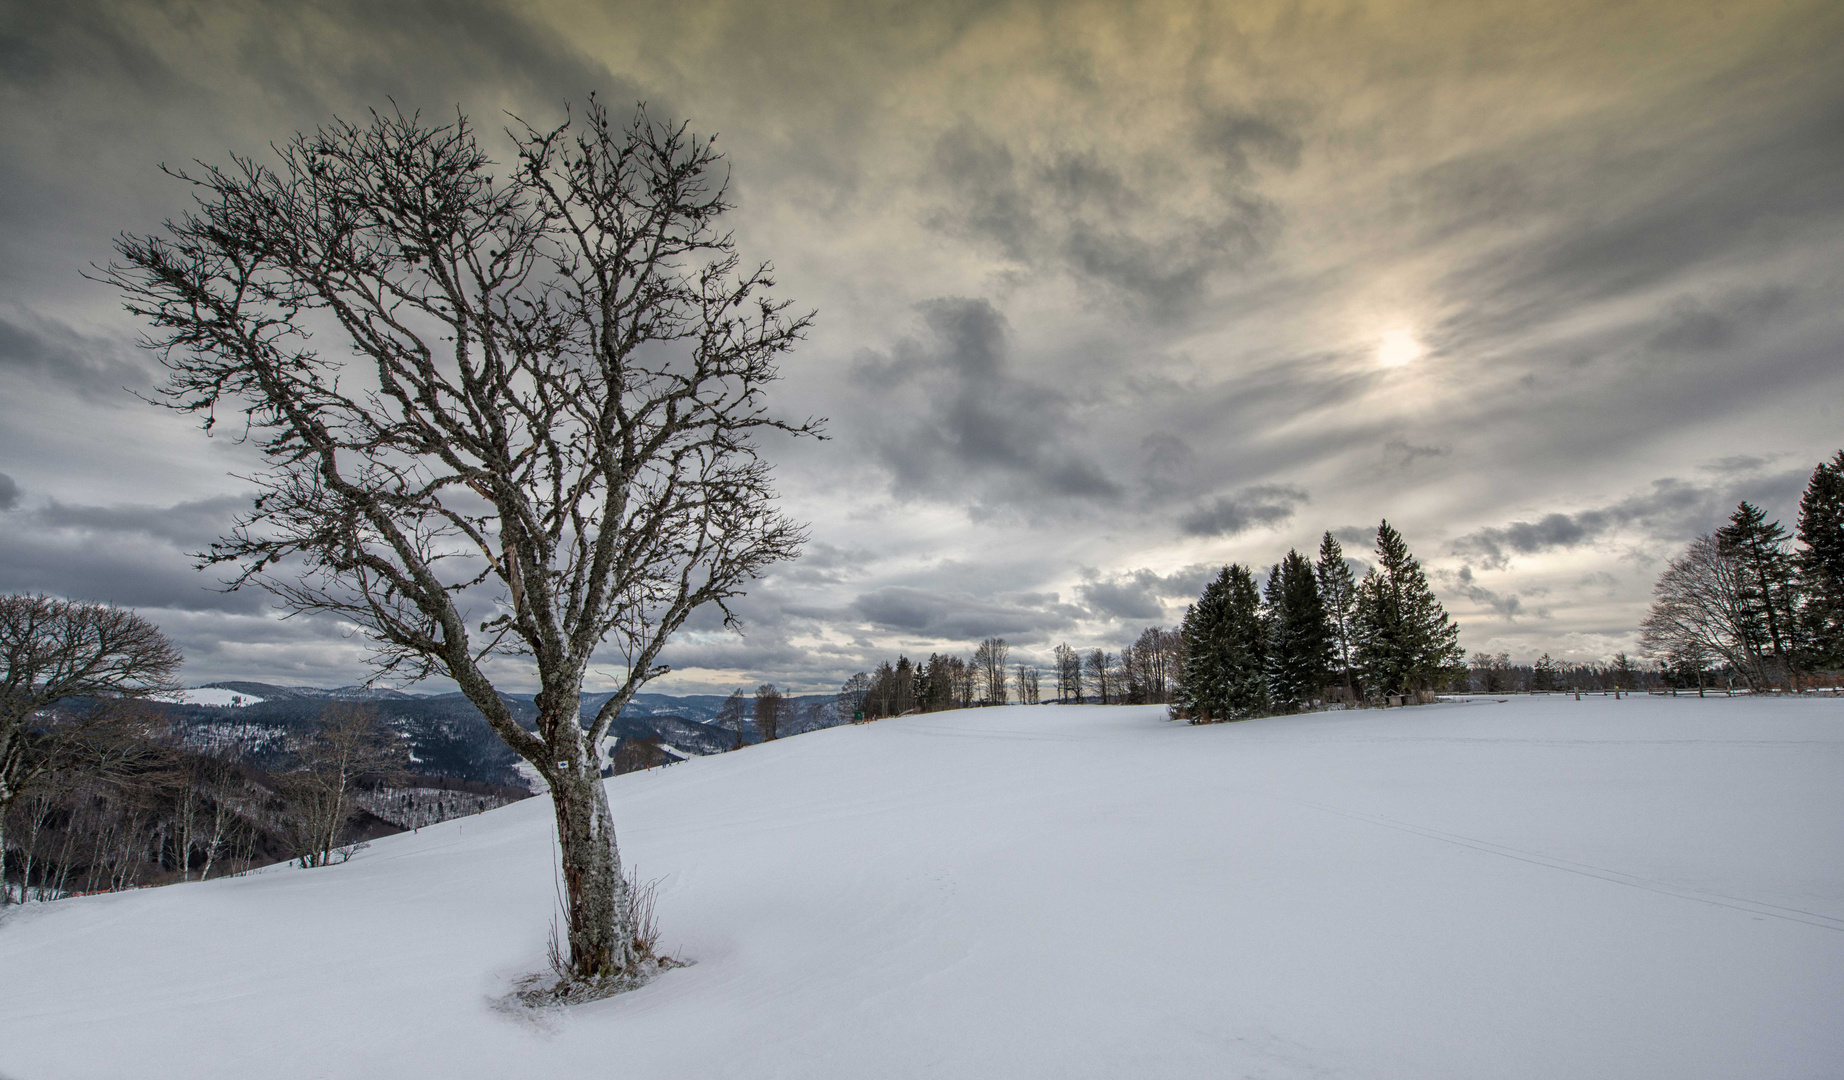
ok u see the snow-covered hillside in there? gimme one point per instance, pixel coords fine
(1542, 888)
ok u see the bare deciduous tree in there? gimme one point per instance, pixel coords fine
(1026, 678)
(989, 663)
(769, 704)
(533, 434)
(1068, 674)
(52, 651)
(349, 744)
(733, 716)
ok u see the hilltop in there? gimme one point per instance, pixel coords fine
(1538, 888)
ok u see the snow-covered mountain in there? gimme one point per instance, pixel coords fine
(447, 734)
(1542, 888)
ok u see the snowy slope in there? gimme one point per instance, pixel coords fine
(1544, 889)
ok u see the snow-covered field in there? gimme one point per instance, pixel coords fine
(1543, 888)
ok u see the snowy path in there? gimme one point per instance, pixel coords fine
(1544, 889)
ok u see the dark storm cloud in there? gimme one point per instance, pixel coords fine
(1671, 511)
(42, 349)
(955, 423)
(1361, 535)
(958, 615)
(138, 556)
(9, 492)
(1250, 508)
(1109, 222)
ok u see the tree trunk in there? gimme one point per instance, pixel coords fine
(601, 942)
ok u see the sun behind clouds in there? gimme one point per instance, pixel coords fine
(1398, 348)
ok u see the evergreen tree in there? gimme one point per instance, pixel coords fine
(1245, 649)
(1821, 564)
(1299, 638)
(1767, 596)
(1224, 677)
(1200, 688)
(1402, 639)
(1543, 675)
(1338, 596)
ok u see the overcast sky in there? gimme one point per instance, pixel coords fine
(1108, 294)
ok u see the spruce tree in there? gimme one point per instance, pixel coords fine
(1244, 649)
(1224, 677)
(1200, 686)
(1403, 640)
(1767, 594)
(1338, 596)
(1820, 564)
(1299, 638)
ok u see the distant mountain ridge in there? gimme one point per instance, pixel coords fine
(448, 736)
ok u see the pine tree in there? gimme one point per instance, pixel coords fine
(1402, 638)
(1768, 596)
(1821, 564)
(1299, 638)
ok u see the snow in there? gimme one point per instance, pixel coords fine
(216, 695)
(1543, 888)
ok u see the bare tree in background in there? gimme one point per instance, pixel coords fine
(1068, 674)
(989, 670)
(532, 433)
(1103, 676)
(734, 716)
(1026, 679)
(769, 706)
(349, 745)
(52, 651)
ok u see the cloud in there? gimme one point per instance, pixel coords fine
(1694, 326)
(1142, 594)
(1402, 453)
(37, 348)
(959, 616)
(1672, 510)
(955, 423)
(9, 492)
(138, 556)
(192, 525)
(1116, 220)
(1250, 508)
(1508, 605)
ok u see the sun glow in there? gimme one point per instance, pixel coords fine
(1398, 348)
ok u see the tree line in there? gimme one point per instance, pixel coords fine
(1313, 633)
(101, 790)
(1752, 603)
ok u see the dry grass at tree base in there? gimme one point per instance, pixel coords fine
(562, 987)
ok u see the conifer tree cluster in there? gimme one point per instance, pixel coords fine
(1745, 600)
(1312, 633)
